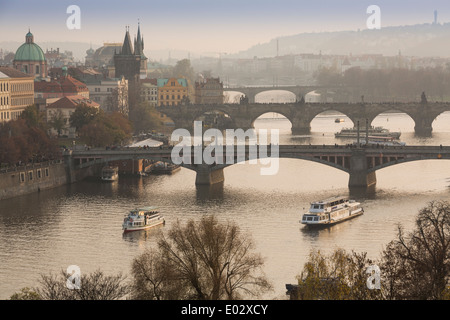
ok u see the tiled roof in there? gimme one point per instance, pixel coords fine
(70, 102)
(65, 84)
(13, 73)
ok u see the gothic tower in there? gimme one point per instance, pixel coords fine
(127, 64)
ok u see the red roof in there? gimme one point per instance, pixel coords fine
(70, 102)
(64, 84)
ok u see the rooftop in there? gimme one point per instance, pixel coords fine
(14, 73)
(71, 102)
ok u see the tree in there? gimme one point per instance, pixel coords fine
(57, 122)
(183, 69)
(25, 294)
(93, 286)
(204, 260)
(33, 117)
(144, 118)
(106, 129)
(338, 276)
(83, 115)
(417, 265)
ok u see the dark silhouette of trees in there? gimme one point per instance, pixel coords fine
(204, 260)
(93, 286)
(417, 265)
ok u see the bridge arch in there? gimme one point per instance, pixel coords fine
(390, 120)
(328, 118)
(441, 121)
(267, 114)
(276, 96)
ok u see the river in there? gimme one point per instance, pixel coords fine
(80, 224)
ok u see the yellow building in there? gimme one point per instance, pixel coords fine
(173, 92)
(21, 91)
(5, 98)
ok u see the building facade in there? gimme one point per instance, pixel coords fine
(21, 91)
(4, 98)
(173, 92)
(111, 94)
(30, 58)
(209, 91)
(149, 91)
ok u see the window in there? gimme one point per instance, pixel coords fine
(38, 173)
(37, 69)
(46, 172)
(30, 175)
(22, 177)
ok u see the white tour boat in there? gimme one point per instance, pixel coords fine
(110, 173)
(141, 219)
(331, 211)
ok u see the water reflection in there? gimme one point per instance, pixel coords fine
(211, 192)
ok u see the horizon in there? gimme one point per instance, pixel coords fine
(203, 27)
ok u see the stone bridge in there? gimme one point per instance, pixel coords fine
(301, 114)
(251, 92)
(360, 163)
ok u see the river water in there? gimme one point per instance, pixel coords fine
(80, 224)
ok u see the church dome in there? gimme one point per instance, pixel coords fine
(29, 51)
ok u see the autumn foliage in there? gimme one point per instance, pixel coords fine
(22, 143)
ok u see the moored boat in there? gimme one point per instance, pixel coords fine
(142, 218)
(110, 173)
(331, 211)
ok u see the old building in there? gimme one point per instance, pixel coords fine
(149, 91)
(30, 58)
(4, 98)
(63, 109)
(110, 93)
(21, 91)
(173, 92)
(209, 91)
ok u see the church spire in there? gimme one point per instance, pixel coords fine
(139, 43)
(127, 47)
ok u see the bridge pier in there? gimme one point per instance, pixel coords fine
(301, 130)
(360, 177)
(208, 176)
(423, 131)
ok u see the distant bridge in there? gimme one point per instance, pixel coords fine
(360, 163)
(301, 114)
(251, 91)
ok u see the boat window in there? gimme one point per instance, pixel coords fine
(316, 219)
(321, 206)
(309, 218)
(316, 206)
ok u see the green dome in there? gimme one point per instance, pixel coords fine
(29, 52)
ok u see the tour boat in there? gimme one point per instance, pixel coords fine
(141, 219)
(373, 132)
(331, 211)
(110, 173)
(381, 141)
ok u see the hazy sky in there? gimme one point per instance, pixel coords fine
(203, 25)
